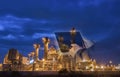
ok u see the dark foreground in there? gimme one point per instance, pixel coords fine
(61, 74)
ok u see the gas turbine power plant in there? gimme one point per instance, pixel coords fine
(72, 55)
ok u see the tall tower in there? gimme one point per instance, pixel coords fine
(46, 42)
(73, 34)
(36, 47)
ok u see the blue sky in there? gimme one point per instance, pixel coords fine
(24, 22)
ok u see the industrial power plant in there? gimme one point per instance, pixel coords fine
(72, 55)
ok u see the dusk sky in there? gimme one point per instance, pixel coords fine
(25, 22)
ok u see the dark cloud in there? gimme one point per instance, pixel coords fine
(24, 22)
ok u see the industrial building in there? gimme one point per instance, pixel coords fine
(72, 55)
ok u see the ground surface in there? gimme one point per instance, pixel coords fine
(60, 74)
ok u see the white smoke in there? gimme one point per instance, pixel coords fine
(88, 43)
(75, 48)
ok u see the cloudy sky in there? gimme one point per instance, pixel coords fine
(24, 22)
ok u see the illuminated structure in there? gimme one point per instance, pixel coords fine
(46, 42)
(13, 60)
(72, 55)
(73, 34)
(36, 47)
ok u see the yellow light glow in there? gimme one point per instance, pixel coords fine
(92, 69)
(102, 67)
(96, 66)
(60, 66)
(87, 67)
(92, 65)
(34, 61)
(43, 59)
(84, 60)
(37, 69)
